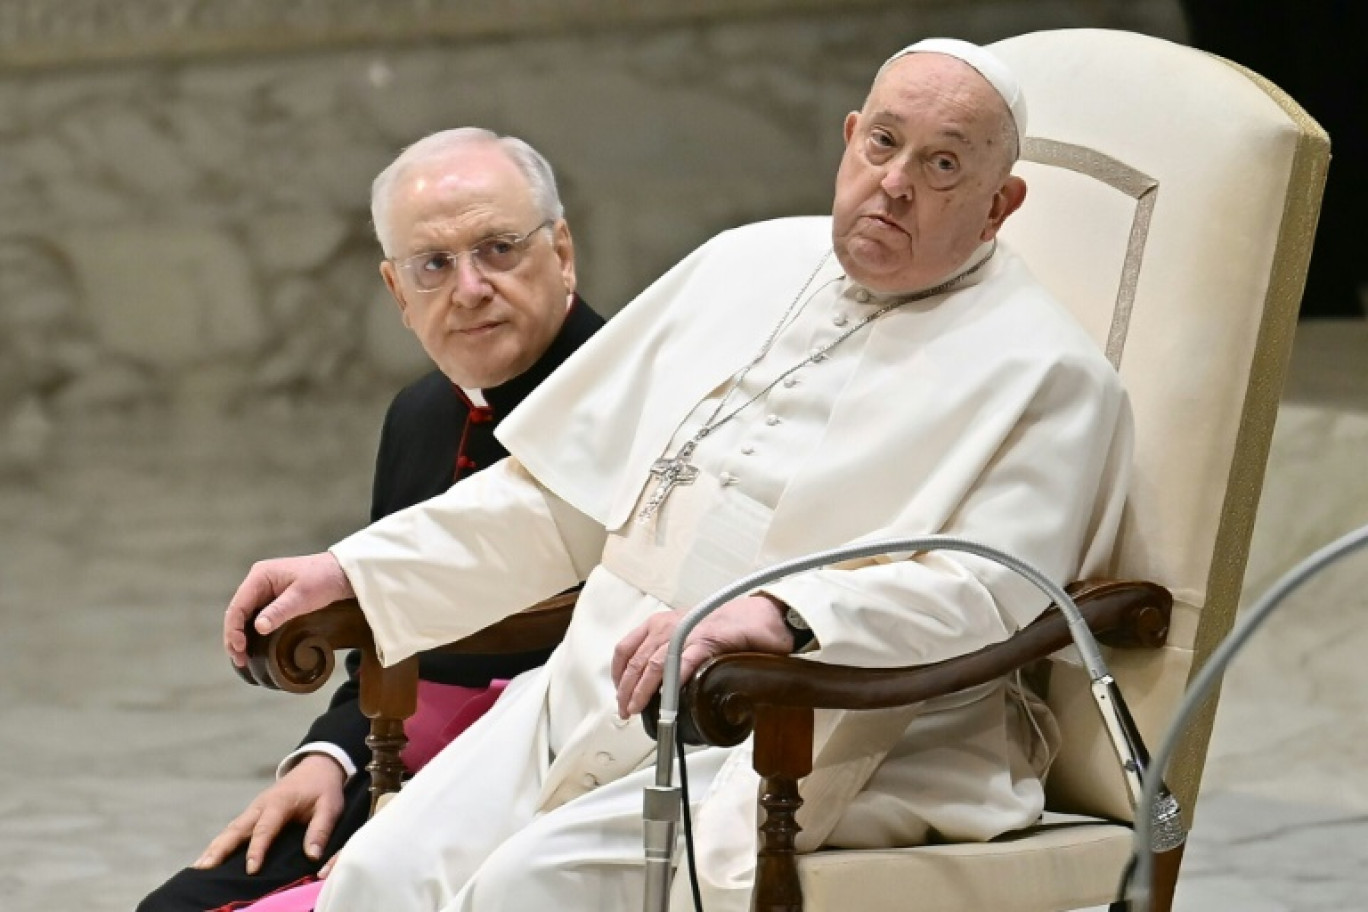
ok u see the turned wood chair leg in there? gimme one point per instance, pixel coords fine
(783, 755)
(389, 696)
(386, 742)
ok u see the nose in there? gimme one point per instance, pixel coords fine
(895, 181)
(471, 288)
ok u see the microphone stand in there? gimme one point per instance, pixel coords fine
(1201, 686)
(661, 801)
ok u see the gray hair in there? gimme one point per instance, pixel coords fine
(1011, 143)
(541, 180)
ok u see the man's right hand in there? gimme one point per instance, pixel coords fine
(287, 588)
(311, 794)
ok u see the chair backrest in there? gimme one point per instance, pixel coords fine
(1172, 203)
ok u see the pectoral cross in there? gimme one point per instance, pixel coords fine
(672, 473)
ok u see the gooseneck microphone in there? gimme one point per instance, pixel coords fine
(661, 802)
(1200, 688)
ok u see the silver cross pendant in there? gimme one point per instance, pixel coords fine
(672, 473)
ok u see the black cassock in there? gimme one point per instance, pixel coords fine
(433, 436)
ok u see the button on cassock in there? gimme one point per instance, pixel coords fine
(862, 296)
(728, 479)
(772, 420)
(840, 319)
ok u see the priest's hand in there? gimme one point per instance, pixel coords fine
(753, 623)
(284, 588)
(310, 793)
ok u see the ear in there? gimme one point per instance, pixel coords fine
(391, 277)
(564, 246)
(1007, 200)
(851, 120)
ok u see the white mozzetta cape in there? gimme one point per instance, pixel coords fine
(985, 412)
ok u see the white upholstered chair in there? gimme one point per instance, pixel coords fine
(1172, 203)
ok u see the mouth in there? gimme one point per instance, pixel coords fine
(881, 222)
(479, 329)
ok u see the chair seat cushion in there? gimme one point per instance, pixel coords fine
(1053, 867)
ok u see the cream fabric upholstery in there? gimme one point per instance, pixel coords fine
(1065, 866)
(1172, 201)
(1159, 219)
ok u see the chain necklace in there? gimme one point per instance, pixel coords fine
(672, 472)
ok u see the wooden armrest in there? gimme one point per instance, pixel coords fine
(718, 706)
(775, 697)
(540, 627)
(298, 656)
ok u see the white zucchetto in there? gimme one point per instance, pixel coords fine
(988, 65)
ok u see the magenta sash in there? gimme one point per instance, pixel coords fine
(444, 711)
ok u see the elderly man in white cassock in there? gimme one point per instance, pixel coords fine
(790, 386)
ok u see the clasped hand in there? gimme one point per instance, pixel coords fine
(753, 623)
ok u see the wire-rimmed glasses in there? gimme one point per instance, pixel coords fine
(434, 270)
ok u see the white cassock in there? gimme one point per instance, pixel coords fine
(984, 412)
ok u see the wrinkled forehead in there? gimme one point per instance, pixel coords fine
(938, 94)
(990, 68)
(460, 198)
(475, 171)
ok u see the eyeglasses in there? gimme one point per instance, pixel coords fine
(436, 269)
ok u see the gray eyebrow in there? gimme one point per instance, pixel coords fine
(949, 132)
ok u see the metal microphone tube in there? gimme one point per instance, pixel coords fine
(661, 815)
(1200, 689)
(660, 818)
(1165, 818)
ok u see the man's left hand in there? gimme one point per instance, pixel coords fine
(753, 623)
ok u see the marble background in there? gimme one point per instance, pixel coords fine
(193, 232)
(195, 354)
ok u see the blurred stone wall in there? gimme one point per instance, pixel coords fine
(184, 183)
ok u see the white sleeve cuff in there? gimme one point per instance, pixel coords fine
(317, 747)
